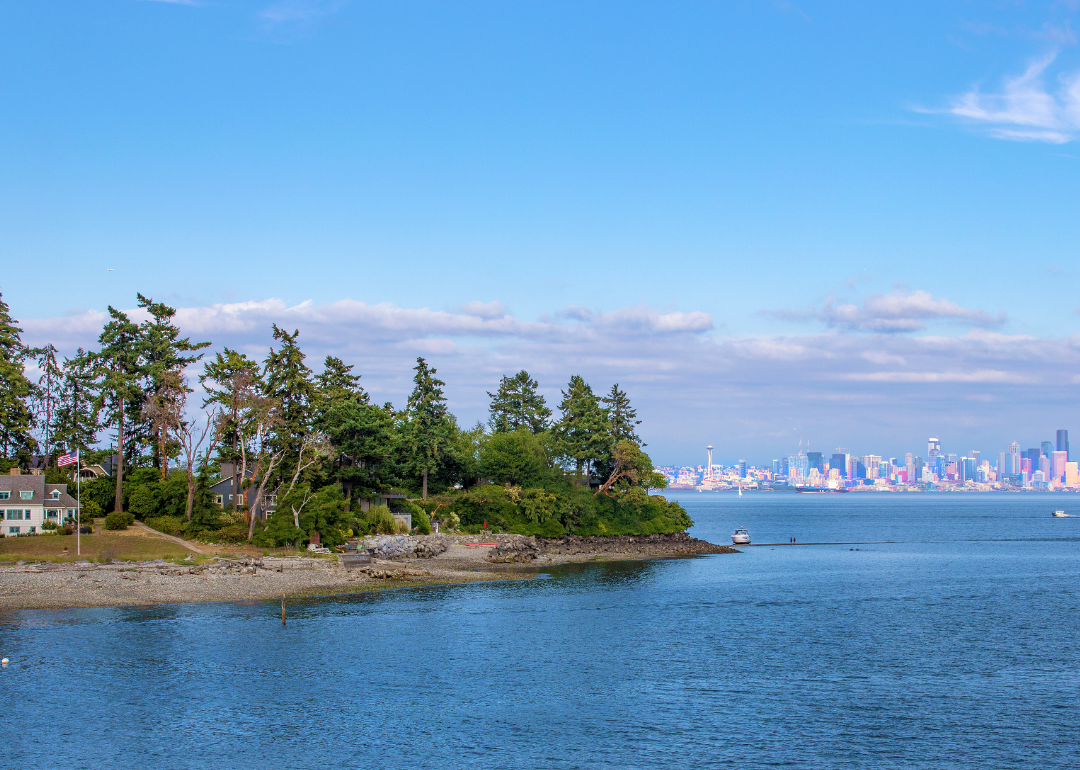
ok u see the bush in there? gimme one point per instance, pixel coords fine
(170, 525)
(119, 520)
(377, 521)
(420, 520)
(91, 509)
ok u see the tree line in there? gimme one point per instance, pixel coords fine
(311, 445)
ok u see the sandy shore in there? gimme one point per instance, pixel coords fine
(85, 584)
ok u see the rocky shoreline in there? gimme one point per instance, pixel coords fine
(399, 562)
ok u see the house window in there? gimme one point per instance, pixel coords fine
(56, 494)
(52, 513)
(14, 514)
(220, 500)
(33, 530)
(13, 530)
(26, 494)
(4, 494)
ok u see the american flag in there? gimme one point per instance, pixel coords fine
(67, 460)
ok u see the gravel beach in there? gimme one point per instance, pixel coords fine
(409, 562)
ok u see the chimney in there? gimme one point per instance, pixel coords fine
(14, 472)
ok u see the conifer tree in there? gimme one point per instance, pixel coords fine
(232, 382)
(117, 373)
(582, 428)
(428, 429)
(622, 418)
(516, 404)
(47, 395)
(288, 382)
(16, 419)
(76, 423)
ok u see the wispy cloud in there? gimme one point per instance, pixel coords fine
(286, 11)
(1025, 109)
(897, 311)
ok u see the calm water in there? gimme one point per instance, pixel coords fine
(954, 644)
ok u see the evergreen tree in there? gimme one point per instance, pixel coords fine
(164, 357)
(16, 419)
(582, 429)
(428, 429)
(76, 422)
(363, 443)
(516, 404)
(288, 382)
(336, 384)
(232, 382)
(622, 418)
(117, 371)
(47, 396)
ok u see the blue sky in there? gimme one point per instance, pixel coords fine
(853, 223)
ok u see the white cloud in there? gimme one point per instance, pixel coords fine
(691, 384)
(896, 311)
(1025, 109)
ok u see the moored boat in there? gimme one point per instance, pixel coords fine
(741, 537)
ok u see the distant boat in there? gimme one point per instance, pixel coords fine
(1060, 515)
(820, 490)
(741, 537)
(740, 490)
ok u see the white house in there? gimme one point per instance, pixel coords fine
(27, 502)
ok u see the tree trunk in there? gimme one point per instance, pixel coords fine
(236, 467)
(191, 484)
(424, 494)
(118, 505)
(348, 495)
(577, 474)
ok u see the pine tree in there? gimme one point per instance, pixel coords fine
(516, 405)
(622, 418)
(336, 384)
(16, 419)
(582, 429)
(76, 424)
(288, 382)
(164, 361)
(46, 396)
(428, 429)
(117, 372)
(232, 382)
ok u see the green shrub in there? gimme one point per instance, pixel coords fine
(119, 520)
(420, 520)
(170, 525)
(91, 509)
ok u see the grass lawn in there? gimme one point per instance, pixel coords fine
(126, 545)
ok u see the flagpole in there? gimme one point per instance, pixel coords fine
(78, 510)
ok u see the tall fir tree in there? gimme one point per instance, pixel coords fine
(622, 418)
(336, 384)
(118, 370)
(582, 429)
(428, 430)
(517, 404)
(75, 426)
(165, 356)
(16, 418)
(288, 382)
(47, 397)
(232, 382)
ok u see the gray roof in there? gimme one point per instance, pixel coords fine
(41, 490)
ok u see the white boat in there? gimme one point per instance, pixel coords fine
(741, 537)
(1060, 515)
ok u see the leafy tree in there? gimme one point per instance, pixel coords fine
(232, 383)
(516, 404)
(75, 424)
(363, 442)
(582, 427)
(117, 374)
(516, 458)
(428, 430)
(16, 419)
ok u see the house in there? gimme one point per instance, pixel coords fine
(222, 490)
(27, 502)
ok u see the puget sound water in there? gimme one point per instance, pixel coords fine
(948, 639)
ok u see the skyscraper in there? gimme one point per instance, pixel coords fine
(1047, 448)
(1063, 442)
(933, 449)
(839, 461)
(816, 460)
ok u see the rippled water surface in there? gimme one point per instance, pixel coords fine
(950, 638)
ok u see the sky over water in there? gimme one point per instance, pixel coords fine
(844, 223)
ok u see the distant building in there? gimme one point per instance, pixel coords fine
(1057, 465)
(1063, 442)
(27, 502)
